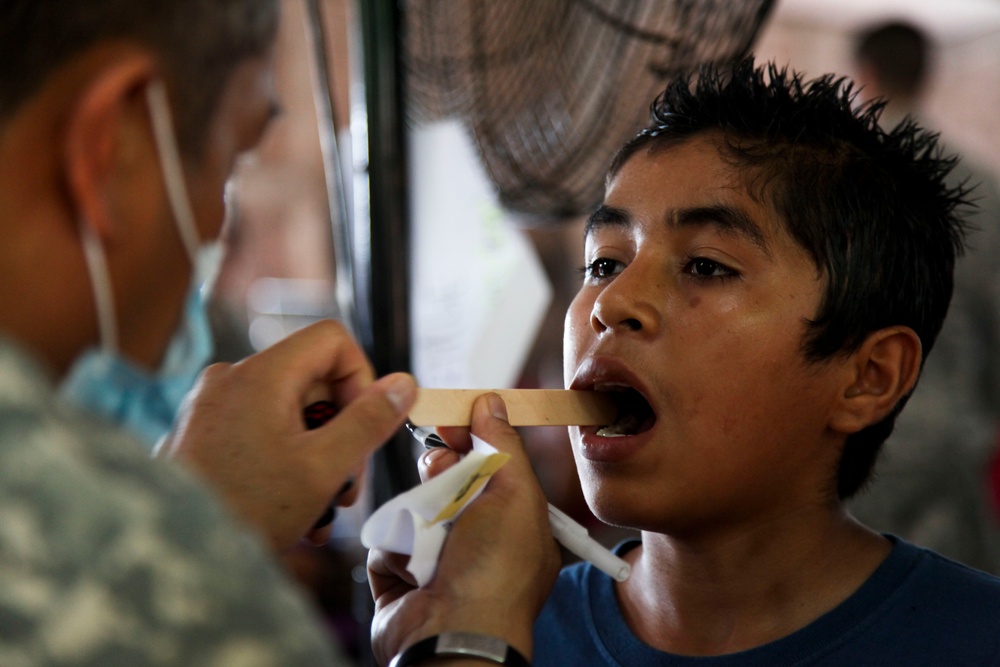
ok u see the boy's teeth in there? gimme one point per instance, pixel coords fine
(626, 425)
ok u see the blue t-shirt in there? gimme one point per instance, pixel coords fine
(918, 608)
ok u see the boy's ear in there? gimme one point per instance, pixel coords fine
(99, 139)
(878, 375)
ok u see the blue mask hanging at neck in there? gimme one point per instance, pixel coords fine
(104, 382)
(146, 402)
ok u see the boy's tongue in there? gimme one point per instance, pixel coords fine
(634, 415)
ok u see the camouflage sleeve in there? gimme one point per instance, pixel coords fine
(110, 558)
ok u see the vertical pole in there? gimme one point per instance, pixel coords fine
(388, 271)
(381, 247)
(337, 183)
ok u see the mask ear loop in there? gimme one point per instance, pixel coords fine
(170, 164)
(100, 283)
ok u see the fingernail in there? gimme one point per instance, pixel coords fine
(400, 391)
(497, 407)
(431, 455)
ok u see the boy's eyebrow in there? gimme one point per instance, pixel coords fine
(726, 219)
(606, 216)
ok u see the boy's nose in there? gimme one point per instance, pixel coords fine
(630, 303)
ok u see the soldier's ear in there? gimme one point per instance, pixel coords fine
(105, 129)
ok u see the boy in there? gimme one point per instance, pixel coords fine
(764, 278)
(762, 283)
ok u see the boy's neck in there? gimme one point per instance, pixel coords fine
(734, 593)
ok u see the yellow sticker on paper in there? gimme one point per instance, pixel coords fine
(472, 485)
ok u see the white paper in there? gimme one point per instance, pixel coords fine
(479, 291)
(406, 524)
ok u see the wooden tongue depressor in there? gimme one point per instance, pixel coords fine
(525, 407)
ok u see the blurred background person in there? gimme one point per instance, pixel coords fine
(933, 479)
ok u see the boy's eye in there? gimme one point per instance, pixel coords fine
(602, 267)
(701, 267)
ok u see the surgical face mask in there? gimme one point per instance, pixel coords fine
(103, 381)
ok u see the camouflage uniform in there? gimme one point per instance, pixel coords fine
(109, 558)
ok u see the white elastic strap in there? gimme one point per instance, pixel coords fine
(170, 163)
(100, 283)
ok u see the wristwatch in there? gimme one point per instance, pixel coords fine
(461, 645)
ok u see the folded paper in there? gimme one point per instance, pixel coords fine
(416, 522)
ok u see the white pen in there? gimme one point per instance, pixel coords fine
(575, 537)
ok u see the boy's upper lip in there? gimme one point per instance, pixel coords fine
(602, 371)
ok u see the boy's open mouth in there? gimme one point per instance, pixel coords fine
(634, 412)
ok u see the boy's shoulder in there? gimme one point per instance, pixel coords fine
(939, 576)
(949, 587)
(917, 608)
(927, 609)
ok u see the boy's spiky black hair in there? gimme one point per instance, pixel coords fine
(874, 207)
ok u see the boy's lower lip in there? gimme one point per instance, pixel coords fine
(610, 450)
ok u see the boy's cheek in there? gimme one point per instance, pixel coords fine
(575, 329)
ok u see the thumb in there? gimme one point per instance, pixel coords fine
(368, 421)
(490, 423)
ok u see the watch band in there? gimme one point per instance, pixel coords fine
(461, 645)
